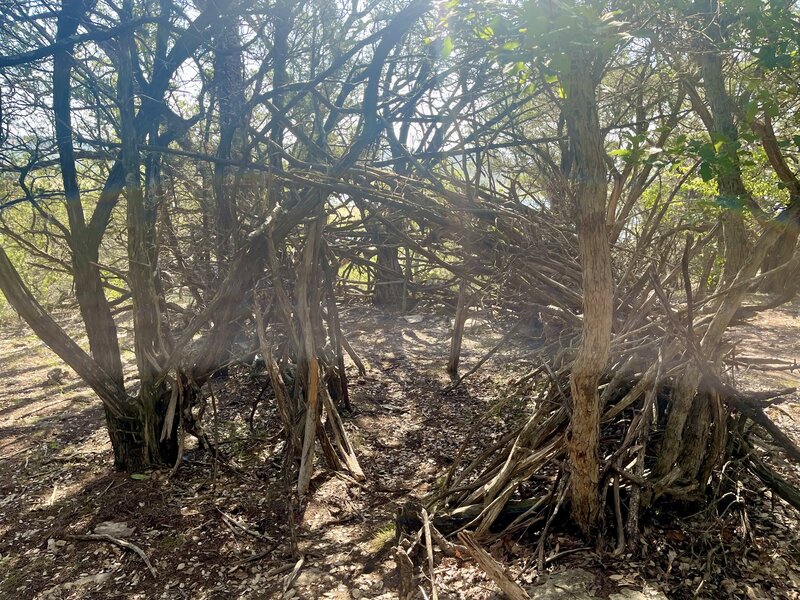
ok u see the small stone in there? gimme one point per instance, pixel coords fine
(629, 594)
(114, 529)
(56, 376)
(308, 577)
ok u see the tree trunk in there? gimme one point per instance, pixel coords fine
(389, 277)
(737, 246)
(229, 87)
(462, 310)
(389, 274)
(685, 392)
(725, 135)
(147, 323)
(588, 175)
(134, 426)
(781, 254)
(100, 327)
(136, 436)
(785, 247)
(789, 217)
(741, 262)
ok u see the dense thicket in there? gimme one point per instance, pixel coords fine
(224, 174)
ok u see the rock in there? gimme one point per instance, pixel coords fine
(114, 529)
(629, 594)
(340, 593)
(574, 584)
(55, 376)
(578, 584)
(98, 579)
(308, 577)
(356, 593)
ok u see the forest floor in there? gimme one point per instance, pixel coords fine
(220, 529)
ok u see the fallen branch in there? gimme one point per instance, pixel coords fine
(103, 537)
(771, 479)
(429, 547)
(292, 577)
(405, 573)
(234, 525)
(493, 569)
(447, 548)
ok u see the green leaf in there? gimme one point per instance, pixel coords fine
(561, 63)
(139, 476)
(447, 46)
(486, 33)
(731, 202)
(751, 111)
(772, 109)
(706, 172)
(707, 152)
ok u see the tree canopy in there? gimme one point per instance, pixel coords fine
(623, 175)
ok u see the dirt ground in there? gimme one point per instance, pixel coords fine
(220, 529)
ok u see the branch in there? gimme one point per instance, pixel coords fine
(43, 325)
(102, 537)
(98, 35)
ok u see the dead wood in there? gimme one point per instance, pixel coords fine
(493, 569)
(103, 537)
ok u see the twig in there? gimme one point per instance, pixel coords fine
(279, 570)
(618, 516)
(182, 441)
(543, 539)
(429, 547)
(558, 555)
(362, 370)
(291, 577)
(486, 357)
(447, 548)
(233, 523)
(103, 537)
(258, 556)
(216, 436)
